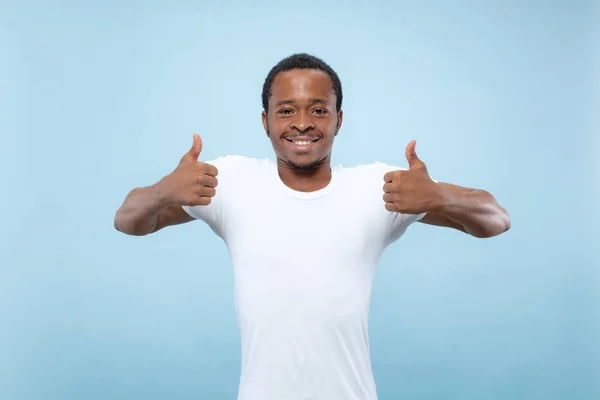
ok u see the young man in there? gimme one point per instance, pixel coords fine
(305, 237)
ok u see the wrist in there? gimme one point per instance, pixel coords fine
(161, 193)
(441, 199)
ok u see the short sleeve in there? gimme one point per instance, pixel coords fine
(213, 214)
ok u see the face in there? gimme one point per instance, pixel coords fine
(302, 120)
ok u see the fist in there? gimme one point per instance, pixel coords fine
(410, 191)
(193, 182)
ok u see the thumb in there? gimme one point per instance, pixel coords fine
(411, 156)
(196, 148)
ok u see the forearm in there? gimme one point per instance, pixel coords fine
(139, 213)
(476, 210)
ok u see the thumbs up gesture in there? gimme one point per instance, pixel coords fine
(193, 182)
(411, 191)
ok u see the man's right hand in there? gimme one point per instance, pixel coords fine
(193, 182)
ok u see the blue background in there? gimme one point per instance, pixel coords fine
(97, 99)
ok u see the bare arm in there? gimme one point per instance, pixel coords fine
(472, 211)
(412, 191)
(149, 209)
(145, 210)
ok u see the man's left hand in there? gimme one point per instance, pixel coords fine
(411, 191)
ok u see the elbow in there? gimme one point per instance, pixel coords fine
(504, 221)
(131, 227)
(121, 225)
(498, 225)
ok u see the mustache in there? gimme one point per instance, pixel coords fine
(312, 135)
(308, 136)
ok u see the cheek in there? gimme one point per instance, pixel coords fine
(330, 127)
(276, 128)
(277, 141)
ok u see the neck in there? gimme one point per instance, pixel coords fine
(305, 180)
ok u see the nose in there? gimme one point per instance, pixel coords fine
(302, 122)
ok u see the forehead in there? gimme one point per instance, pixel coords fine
(298, 83)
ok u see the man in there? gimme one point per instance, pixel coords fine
(305, 237)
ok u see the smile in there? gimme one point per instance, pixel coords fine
(302, 144)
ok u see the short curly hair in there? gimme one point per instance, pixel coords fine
(302, 61)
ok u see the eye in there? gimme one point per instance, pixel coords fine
(320, 111)
(285, 111)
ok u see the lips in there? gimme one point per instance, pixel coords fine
(302, 143)
(302, 138)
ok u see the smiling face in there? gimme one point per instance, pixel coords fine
(302, 120)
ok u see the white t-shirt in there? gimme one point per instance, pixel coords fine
(303, 268)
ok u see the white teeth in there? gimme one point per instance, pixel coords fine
(302, 142)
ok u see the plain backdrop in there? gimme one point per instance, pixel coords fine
(97, 98)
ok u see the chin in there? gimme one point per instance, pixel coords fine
(305, 164)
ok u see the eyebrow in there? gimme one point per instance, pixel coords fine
(311, 101)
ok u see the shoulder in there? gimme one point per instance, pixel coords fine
(234, 161)
(364, 181)
(372, 168)
(236, 165)
(373, 172)
(234, 173)
(239, 173)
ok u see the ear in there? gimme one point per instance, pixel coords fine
(340, 117)
(265, 122)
